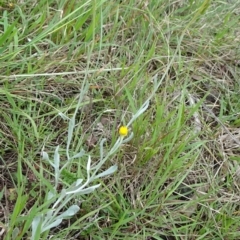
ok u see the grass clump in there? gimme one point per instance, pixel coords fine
(74, 72)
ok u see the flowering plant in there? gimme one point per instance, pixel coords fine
(54, 215)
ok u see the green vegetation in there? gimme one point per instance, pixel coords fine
(72, 72)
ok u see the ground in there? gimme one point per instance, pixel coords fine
(73, 72)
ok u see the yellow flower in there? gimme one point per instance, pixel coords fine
(123, 131)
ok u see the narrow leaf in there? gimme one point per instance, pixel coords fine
(109, 171)
(70, 212)
(79, 155)
(89, 163)
(84, 191)
(45, 156)
(36, 227)
(49, 226)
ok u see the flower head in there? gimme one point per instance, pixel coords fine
(123, 131)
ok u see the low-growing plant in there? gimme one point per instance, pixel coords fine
(52, 212)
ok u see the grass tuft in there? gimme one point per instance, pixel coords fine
(166, 70)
